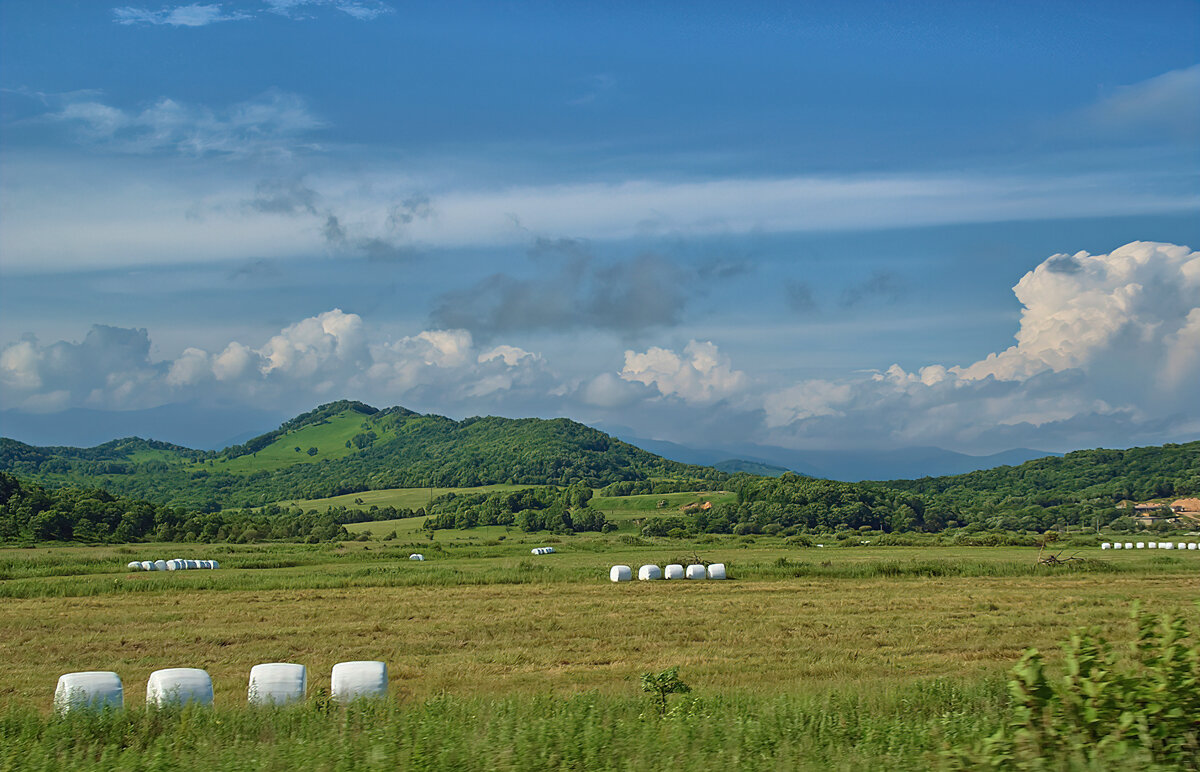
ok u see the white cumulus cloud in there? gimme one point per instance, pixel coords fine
(324, 356)
(701, 374)
(1108, 350)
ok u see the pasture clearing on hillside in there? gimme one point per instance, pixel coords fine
(400, 498)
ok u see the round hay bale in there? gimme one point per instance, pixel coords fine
(674, 571)
(1151, 545)
(1141, 545)
(160, 565)
(134, 565)
(649, 573)
(354, 680)
(1105, 546)
(148, 565)
(179, 686)
(620, 573)
(89, 690)
(1128, 545)
(716, 571)
(1192, 545)
(1117, 545)
(276, 683)
(696, 571)
(416, 556)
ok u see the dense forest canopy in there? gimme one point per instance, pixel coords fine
(1102, 477)
(1081, 488)
(29, 512)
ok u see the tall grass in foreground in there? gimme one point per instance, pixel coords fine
(1139, 711)
(901, 730)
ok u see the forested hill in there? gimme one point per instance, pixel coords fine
(345, 447)
(1106, 476)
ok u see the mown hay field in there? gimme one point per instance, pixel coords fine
(488, 620)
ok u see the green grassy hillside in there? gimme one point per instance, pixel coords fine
(349, 447)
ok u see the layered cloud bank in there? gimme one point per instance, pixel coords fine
(1107, 352)
(325, 356)
(1108, 348)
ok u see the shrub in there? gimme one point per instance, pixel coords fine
(1107, 711)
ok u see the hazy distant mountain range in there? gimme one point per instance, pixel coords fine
(202, 427)
(847, 465)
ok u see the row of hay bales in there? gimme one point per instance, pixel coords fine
(1160, 545)
(171, 565)
(542, 550)
(273, 683)
(674, 571)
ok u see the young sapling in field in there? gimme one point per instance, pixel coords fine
(661, 684)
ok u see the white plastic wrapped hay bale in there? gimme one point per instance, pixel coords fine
(90, 690)
(674, 571)
(716, 571)
(203, 564)
(179, 686)
(1141, 545)
(214, 565)
(148, 565)
(1166, 545)
(620, 573)
(1117, 545)
(160, 565)
(191, 564)
(416, 556)
(535, 551)
(696, 571)
(1128, 545)
(1192, 545)
(1181, 545)
(1151, 545)
(1105, 546)
(352, 680)
(172, 565)
(134, 565)
(277, 683)
(649, 573)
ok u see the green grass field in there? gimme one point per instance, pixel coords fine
(850, 658)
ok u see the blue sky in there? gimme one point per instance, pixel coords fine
(851, 225)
